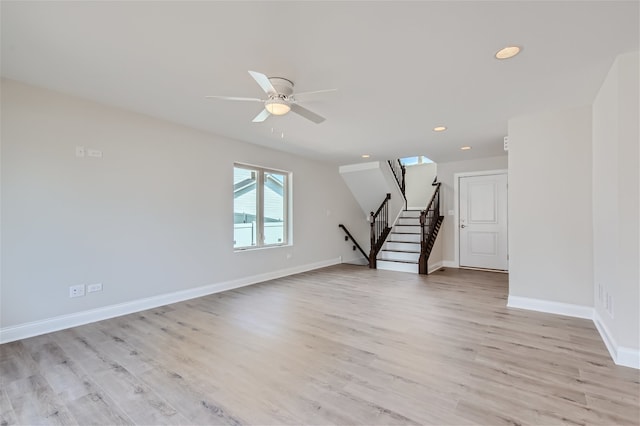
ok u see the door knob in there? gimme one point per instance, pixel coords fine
(462, 226)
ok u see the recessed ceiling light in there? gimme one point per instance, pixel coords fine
(465, 148)
(365, 156)
(507, 52)
(439, 129)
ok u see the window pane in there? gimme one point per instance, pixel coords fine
(274, 207)
(245, 207)
(409, 161)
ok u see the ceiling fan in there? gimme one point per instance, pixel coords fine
(280, 98)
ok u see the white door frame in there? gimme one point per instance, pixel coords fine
(456, 207)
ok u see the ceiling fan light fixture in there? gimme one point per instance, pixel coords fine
(277, 106)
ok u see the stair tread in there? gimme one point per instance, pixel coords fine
(403, 242)
(397, 261)
(401, 251)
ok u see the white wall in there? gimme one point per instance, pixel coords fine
(446, 172)
(369, 183)
(418, 189)
(152, 217)
(550, 231)
(616, 215)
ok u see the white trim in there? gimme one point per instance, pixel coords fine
(449, 264)
(435, 267)
(551, 307)
(471, 268)
(608, 340)
(456, 189)
(628, 357)
(35, 328)
(621, 355)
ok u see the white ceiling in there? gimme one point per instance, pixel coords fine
(400, 68)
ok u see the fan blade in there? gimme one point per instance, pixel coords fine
(307, 114)
(264, 114)
(264, 82)
(295, 95)
(234, 98)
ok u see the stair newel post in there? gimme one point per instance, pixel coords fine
(372, 252)
(422, 261)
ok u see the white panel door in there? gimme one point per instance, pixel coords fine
(483, 222)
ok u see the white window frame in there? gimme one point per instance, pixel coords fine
(286, 226)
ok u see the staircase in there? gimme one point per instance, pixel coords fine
(401, 251)
(406, 246)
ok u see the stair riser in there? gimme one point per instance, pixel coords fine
(398, 255)
(415, 238)
(402, 246)
(409, 221)
(410, 213)
(408, 229)
(395, 266)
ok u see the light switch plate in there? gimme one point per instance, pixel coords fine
(94, 287)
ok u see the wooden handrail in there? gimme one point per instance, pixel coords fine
(379, 229)
(384, 202)
(435, 193)
(399, 171)
(430, 220)
(344, 228)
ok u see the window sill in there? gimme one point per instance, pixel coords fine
(240, 250)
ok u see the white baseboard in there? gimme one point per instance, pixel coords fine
(449, 264)
(621, 355)
(434, 267)
(358, 260)
(627, 357)
(559, 308)
(35, 328)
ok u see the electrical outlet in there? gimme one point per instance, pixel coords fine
(76, 290)
(600, 292)
(94, 153)
(94, 287)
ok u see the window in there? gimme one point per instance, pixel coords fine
(412, 161)
(260, 207)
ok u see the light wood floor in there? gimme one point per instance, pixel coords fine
(341, 345)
